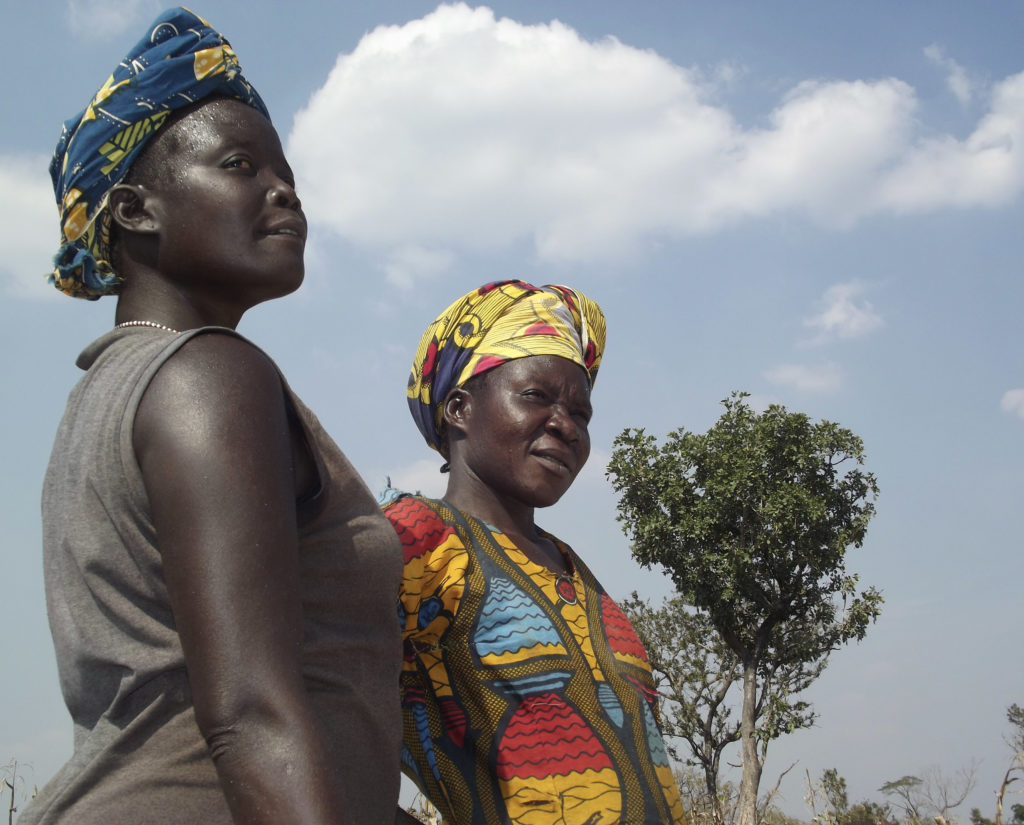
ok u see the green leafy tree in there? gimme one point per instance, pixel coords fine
(867, 813)
(1017, 818)
(830, 795)
(833, 788)
(1015, 716)
(752, 520)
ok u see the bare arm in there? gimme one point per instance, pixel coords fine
(212, 439)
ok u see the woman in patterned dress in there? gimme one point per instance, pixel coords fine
(527, 697)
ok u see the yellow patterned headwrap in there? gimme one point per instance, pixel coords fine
(494, 324)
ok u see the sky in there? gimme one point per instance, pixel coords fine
(816, 203)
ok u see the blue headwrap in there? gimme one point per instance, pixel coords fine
(181, 60)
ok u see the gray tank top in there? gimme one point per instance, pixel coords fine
(138, 754)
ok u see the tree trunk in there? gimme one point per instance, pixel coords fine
(714, 799)
(751, 780)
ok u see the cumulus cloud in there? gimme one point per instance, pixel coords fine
(956, 78)
(841, 315)
(985, 169)
(1013, 403)
(820, 378)
(461, 131)
(28, 226)
(109, 18)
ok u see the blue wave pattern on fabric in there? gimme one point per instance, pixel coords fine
(510, 621)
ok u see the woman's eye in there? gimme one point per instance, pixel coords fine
(238, 163)
(583, 414)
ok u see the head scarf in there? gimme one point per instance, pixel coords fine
(179, 61)
(494, 324)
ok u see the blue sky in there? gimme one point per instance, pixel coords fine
(818, 203)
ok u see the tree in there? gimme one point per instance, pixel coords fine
(700, 807)
(1015, 716)
(11, 781)
(933, 797)
(752, 520)
(833, 788)
(829, 793)
(1017, 819)
(695, 671)
(906, 791)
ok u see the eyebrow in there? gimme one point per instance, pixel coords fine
(549, 385)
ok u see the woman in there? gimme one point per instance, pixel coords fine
(220, 582)
(527, 696)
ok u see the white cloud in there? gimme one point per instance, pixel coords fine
(460, 131)
(821, 378)
(1013, 402)
(822, 150)
(28, 226)
(986, 169)
(956, 79)
(842, 316)
(108, 17)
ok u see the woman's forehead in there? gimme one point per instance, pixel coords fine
(221, 116)
(213, 125)
(548, 369)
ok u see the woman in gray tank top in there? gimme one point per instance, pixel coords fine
(223, 648)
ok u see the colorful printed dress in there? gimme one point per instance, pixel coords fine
(527, 697)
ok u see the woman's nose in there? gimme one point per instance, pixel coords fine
(562, 424)
(282, 193)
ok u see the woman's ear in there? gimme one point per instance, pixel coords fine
(457, 405)
(129, 206)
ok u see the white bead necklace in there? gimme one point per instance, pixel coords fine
(153, 324)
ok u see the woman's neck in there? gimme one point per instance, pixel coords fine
(146, 297)
(475, 498)
(512, 518)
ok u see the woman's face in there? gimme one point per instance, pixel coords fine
(231, 228)
(526, 429)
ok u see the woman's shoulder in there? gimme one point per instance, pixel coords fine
(214, 382)
(408, 509)
(208, 353)
(422, 523)
(194, 347)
